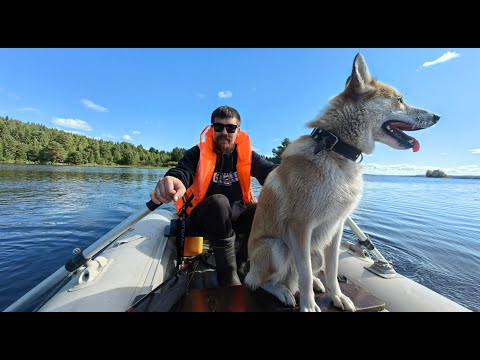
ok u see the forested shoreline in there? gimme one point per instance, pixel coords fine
(28, 143)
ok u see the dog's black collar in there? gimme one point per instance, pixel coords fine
(330, 142)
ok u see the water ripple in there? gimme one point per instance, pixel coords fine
(429, 228)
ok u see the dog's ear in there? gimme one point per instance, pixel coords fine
(319, 121)
(348, 81)
(359, 81)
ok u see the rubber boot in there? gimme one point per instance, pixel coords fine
(242, 257)
(226, 264)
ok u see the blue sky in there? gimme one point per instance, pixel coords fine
(164, 97)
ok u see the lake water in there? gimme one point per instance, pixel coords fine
(429, 228)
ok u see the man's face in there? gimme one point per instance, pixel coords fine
(224, 141)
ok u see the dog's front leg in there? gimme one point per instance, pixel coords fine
(317, 259)
(331, 271)
(300, 245)
(317, 264)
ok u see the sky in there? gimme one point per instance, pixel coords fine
(163, 97)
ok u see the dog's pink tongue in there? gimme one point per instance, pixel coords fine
(416, 145)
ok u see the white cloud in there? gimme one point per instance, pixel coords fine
(401, 169)
(71, 131)
(15, 96)
(127, 138)
(30, 109)
(225, 94)
(135, 132)
(91, 105)
(108, 136)
(72, 124)
(444, 58)
(464, 170)
(475, 151)
(407, 169)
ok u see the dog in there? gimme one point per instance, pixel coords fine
(304, 202)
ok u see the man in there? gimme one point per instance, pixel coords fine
(217, 171)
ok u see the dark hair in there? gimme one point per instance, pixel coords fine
(225, 112)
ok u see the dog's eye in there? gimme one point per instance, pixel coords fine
(400, 99)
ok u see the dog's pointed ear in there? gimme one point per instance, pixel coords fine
(348, 81)
(359, 81)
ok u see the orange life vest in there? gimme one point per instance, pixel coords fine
(206, 166)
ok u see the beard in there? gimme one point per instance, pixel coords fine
(224, 144)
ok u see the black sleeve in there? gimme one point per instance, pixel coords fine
(187, 166)
(261, 167)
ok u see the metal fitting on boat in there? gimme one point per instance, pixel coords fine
(383, 269)
(93, 269)
(355, 249)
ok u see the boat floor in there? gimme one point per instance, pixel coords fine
(204, 295)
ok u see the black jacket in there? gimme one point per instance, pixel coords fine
(224, 180)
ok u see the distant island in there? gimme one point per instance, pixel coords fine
(436, 174)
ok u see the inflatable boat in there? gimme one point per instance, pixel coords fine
(137, 266)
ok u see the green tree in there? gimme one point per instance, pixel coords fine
(116, 154)
(33, 153)
(75, 158)
(163, 158)
(64, 138)
(8, 147)
(21, 152)
(277, 153)
(105, 152)
(177, 153)
(129, 157)
(40, 137)
(22, 142)
(436, 173)
(54, 153)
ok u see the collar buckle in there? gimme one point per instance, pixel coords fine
(333, 144)
(328, 141)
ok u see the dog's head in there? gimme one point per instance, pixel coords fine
(368, 111)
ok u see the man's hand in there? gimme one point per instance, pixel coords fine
(169, 188)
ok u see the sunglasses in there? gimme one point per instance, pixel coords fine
(218, 127)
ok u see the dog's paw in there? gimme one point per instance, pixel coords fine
(343, 302)
(309, 305)
(280, 292)
(317, 285)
